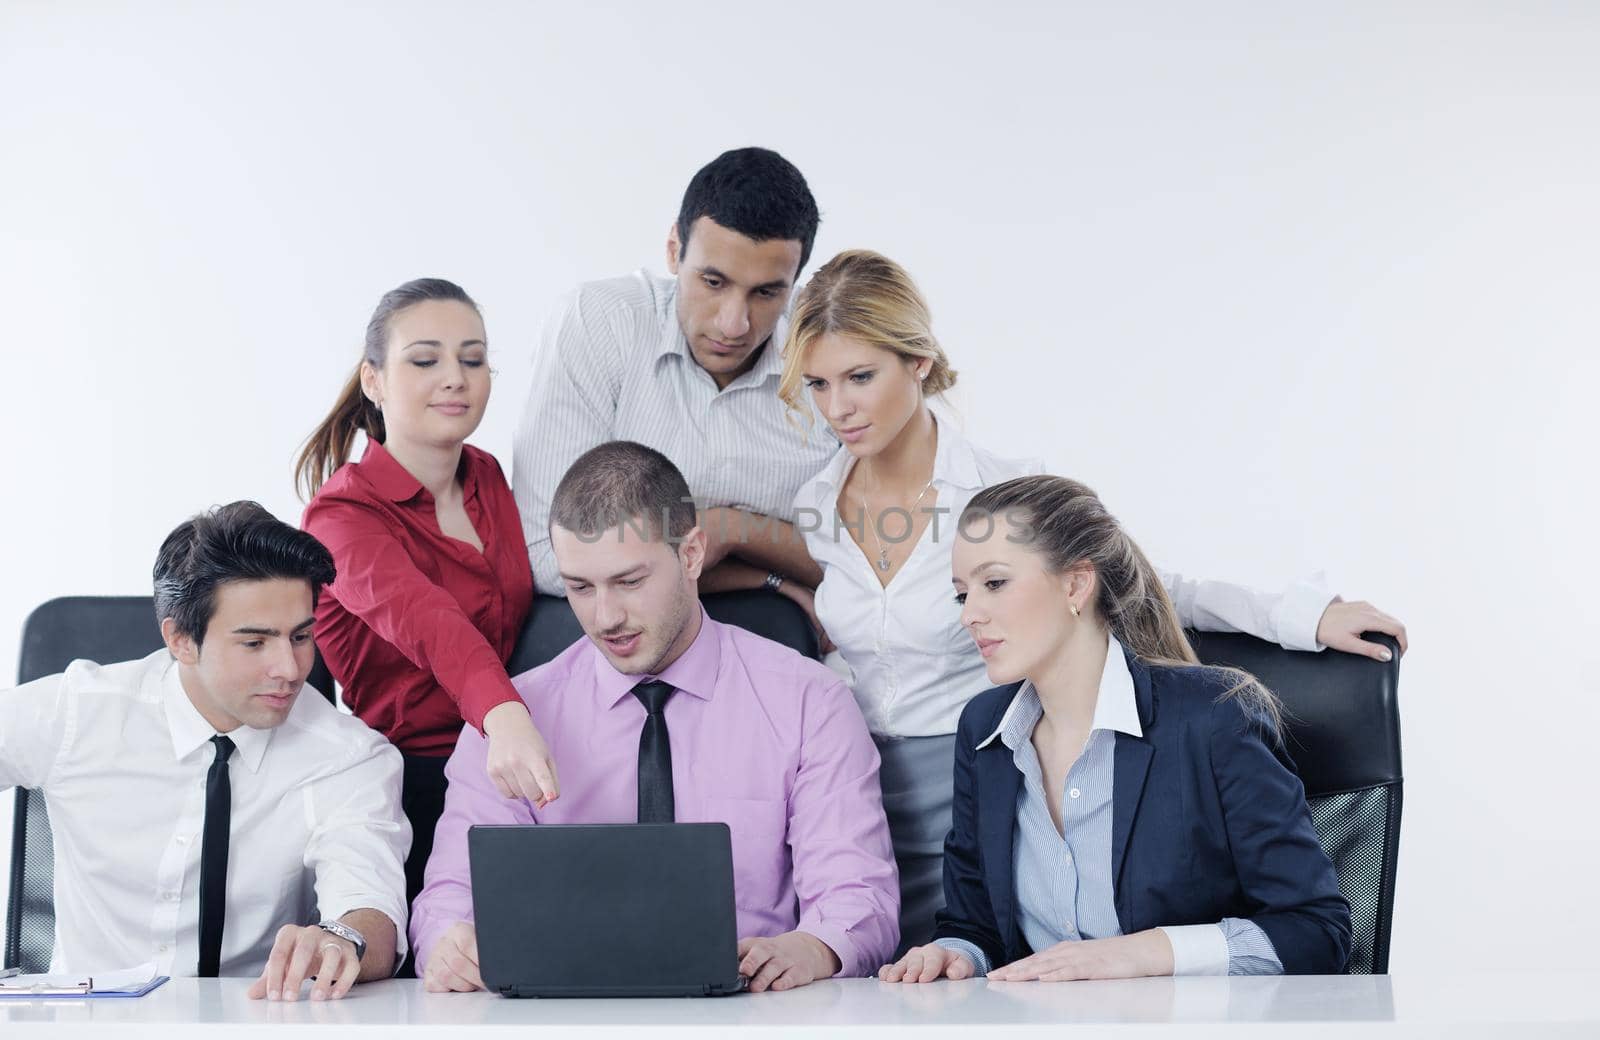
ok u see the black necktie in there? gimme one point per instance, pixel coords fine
(655, 754)
(214, 860)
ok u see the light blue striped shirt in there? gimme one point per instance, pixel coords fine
(615, 366)
(1063, 884)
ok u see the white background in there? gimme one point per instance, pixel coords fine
(1295, 287)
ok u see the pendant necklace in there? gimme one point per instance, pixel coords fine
(883, 550)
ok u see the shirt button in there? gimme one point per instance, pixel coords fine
(1069, 927)
(183, 839)
(1075, 792)
(162, 948)
(172, 897)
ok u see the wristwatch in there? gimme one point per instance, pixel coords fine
(773, 582)
(345, 932)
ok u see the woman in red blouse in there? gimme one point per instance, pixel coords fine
(433, 580)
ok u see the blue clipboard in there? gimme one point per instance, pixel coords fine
(75, 993)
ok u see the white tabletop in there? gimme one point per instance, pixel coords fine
(1561, 1004)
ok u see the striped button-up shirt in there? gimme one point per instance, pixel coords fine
(1063, 880)
(615, 366)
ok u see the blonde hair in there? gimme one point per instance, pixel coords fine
(1066, 523)
(870, 298)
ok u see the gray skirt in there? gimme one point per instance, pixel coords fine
(917, 777)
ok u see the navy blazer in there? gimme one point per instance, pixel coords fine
(1208, 820)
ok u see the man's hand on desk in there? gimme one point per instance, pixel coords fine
(453, 965)
(786, 961)
(298, 953)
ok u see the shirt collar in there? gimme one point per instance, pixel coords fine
(190, 731)
(394, 482)
(1115, 707)
(384, 472)
(694, 672)
(955, 464)
(770, 364)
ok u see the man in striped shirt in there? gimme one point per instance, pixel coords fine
(689, 365)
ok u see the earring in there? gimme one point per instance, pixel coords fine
(1074, 608)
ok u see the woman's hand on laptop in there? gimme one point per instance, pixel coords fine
(519, 761)
(786, 961)
(453, 965)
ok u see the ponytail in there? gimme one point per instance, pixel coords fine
(329, 445)
(1144, 619)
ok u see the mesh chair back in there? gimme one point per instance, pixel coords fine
(552, 627)
(1343, 731)
(105, 629)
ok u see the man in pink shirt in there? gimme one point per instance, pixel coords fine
(663, 714)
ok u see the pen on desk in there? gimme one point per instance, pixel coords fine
(6, 973)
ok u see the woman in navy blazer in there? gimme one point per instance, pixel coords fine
(1120, 810)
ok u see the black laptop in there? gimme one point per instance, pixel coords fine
(622, 910)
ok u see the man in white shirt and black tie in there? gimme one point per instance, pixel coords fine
(689, 365)
(206, 816)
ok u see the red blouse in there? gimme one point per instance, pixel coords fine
(417, 626)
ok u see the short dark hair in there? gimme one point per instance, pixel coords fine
(240, 541)
(756, 192)
(623, 482)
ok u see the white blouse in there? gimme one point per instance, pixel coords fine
(911, 664)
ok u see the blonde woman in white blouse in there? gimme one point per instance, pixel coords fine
(880, 519)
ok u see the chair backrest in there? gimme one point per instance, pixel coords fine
(105, 629)
(552, 626)
(1343, 731)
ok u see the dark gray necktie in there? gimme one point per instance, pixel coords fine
(655, 754)
(214, 860)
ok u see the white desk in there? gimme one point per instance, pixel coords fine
(1522, 1005)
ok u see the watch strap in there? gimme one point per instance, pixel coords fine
(347, 933)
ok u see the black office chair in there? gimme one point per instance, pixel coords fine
(100, 628)
(552, 626)
(1343, 732)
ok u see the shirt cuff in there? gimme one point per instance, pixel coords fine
(427, 929)
(1250, 951)
(838, 940)
(1198, 949)
(496, 689)
(1299, 612)
(980, 963)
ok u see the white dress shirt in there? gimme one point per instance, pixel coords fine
(615, 366)
(912, 666)
(121, 755)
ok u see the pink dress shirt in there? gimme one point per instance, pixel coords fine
(763, 739)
